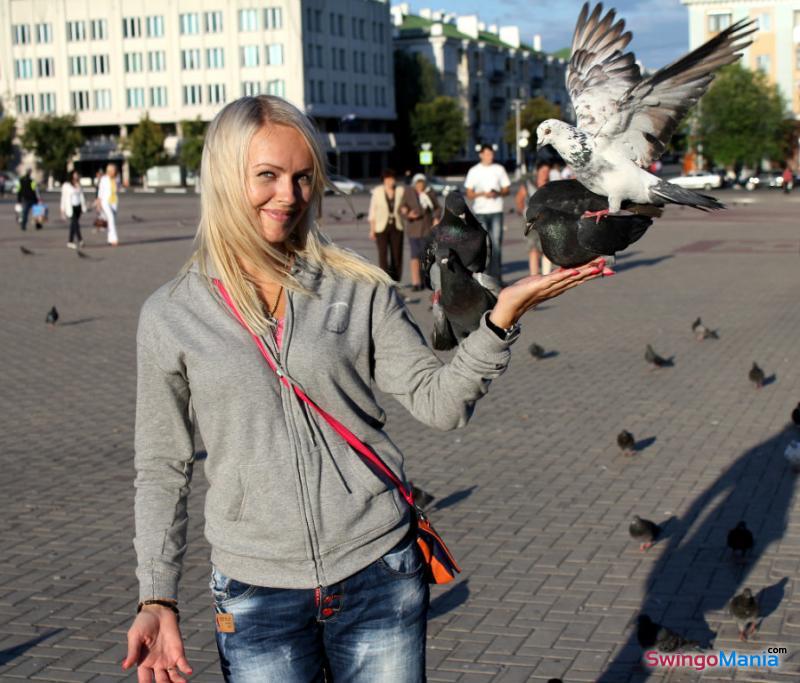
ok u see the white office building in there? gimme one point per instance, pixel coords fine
(111, 61)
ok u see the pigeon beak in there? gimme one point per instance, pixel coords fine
(539, 144)
(528, 228)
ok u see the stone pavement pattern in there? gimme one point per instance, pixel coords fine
(534, 497)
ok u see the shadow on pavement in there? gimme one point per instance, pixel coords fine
(449, 600)
(694, 575)
(639, 263)
(80, 321)
(455, 498)
(643, 444)
(11, 653)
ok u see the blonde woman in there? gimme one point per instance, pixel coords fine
(314, 564)
(73, 205)
(107, 196)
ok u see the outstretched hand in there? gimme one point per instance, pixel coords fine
(515, 300)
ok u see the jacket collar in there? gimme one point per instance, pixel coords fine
(306, 272)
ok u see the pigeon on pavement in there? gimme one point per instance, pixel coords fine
(740, 541)
(654, 359)
(624, 121)
(701, 332)
(756, 376)
(137, 219)
(422, 498)
(744, 608)
(653, 635)
(626, 442)
(644, 531)
(52, 316)
(26, 251)
(555, 212)
(536, 351)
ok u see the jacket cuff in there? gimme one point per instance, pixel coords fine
(155, 584)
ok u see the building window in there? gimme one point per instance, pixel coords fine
(250, 55)
(213, 22)
(100, 64)
(47, 67)
(273, 18)
(355, 61)
(251, 88)
(362, 24)
(192, 94)
(248, 20)
(318, 20)
(44, 33)
(309, 20)
(765, 21)
(156, 60)
(134, 98)
(131, 27)
(78, 66)
(718, 22)
(79, 100)
(215, 58)
(133, 62)
(335, 92)
(276, 87)
(189, 24)
(47, 103)
(763, 63)
(334, 52)
(341, 25)
(102, 99)
(274, 54)
(76, 30)
(21, 34)
(216, 93)
(190, 59)
(158, 96)
(24, 104)
(342, 59)
(23, 68)
(99, 29)
(380, 33)
(154, 26)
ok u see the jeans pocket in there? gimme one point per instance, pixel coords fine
(228, 591)
(404, 560)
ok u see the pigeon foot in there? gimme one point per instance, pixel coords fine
(644, 547)
(597, 215)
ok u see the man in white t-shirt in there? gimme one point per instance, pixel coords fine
(487, 183)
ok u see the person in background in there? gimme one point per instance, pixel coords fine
(107, 196)
(386, 224)
(2, 185)
(27, 196)
(487, 183)
(419, 208)
(788, 180)
(73, 205)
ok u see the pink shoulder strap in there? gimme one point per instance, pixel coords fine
(360, 447)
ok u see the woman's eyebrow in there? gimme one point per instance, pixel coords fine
(308, 170)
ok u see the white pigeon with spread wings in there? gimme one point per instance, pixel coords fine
(624, 121)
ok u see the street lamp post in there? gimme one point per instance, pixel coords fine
(517, 104)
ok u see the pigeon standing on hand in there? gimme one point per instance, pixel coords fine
(740, 541)
(52, 316)
(463, 298)
(744, 608)
(654, 359)
(644, 531)
(624, 121)
(756, 376)
(701, 332)
(652, 635)
(626, 442)
(442, 337)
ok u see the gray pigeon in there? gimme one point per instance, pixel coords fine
(624, 121)
(644, 531)
(442, 337)
(463, 298)
(536, 351)
(655, 360)
(26, 251)
(52, 316)
(756, 376)
(653, 635)
(626, 442)
(744, 608)
(701, 332)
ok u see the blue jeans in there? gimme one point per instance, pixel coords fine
(367, 628)
(493, 222)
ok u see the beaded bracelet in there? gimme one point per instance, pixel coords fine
(164, 603)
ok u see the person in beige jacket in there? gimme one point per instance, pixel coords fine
(386, 224)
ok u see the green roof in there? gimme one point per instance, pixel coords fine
(563, 53)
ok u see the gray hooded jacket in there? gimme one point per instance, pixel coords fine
(289, 504)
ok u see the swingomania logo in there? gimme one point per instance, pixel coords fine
(769, 658)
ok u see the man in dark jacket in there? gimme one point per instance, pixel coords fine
(27, 195)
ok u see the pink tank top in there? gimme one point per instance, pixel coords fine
(279, 332)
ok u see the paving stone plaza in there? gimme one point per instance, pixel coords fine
(533, 496)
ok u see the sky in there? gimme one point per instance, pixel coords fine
(660, 27)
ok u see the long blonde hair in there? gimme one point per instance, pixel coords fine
(230, 233)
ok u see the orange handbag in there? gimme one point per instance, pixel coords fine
(441, 566)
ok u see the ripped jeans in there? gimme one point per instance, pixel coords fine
(367, 628)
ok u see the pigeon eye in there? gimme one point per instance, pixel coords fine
(547, 131)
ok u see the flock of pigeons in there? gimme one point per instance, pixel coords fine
(624, 122)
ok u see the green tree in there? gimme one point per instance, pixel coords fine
(536, 110)
(740, 118)
(146, 145)
(415, 80)
(54, 140)
(441, 123)
(190, 153)
(8, 129)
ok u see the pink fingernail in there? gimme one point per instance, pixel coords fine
(575, 272)
(608, 271)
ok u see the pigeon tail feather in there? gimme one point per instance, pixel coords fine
(666, 191)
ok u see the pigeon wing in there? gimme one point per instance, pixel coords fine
(600, 72)
(647, 115)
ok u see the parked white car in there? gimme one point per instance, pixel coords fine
(345, 185)
(697, 180)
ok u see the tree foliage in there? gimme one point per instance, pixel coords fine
(415, 80)
(190, 153)
(536, 110)
(441, 123)
(8, 129)
(740, 119)
(146, 145)
(54, 140)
